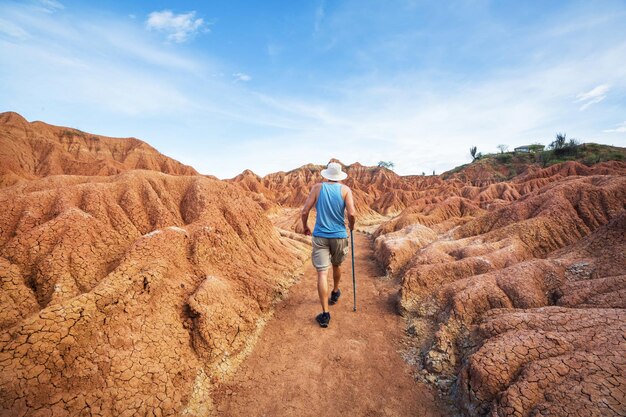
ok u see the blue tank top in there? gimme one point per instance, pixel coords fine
(330, 208)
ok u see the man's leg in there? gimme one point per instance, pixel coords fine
(336, 277)
(322, 288)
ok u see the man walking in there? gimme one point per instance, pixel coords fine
(330, 239)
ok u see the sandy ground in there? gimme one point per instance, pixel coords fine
(351, 368)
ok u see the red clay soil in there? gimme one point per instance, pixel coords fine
(126, 295)
(377, 191)
(130, 285)
(36, 149)
(474, 254)
(521, 309)
(351, 368)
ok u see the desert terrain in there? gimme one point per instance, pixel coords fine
(133, 285)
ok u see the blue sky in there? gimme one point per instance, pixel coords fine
(273, 85)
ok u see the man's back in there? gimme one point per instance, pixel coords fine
(330, 207)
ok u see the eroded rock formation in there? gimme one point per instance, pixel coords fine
(130, 294)
(520, 308)
(129, 284)
(513, 289)
(34, 150)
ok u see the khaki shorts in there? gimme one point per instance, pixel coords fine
(327, 251)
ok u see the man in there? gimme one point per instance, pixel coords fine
(330, 239)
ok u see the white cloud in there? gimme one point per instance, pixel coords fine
(111, 77)
(240, 76)
(50, 5)
(178, 27)
(592, 96)
(620, 128)
(420, 123)
(91, 66)
(12, 30)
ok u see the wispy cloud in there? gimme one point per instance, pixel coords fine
(240, 76)
(103, 66)
(593, 96)
(425, 123)
(178, 27)
(320, 13)
(402, 102)
(50, 6)
(12, 30)
(620, 128)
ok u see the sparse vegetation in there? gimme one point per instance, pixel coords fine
(592, 153)
(559, 141)
(473, 151)
(503, 148)
(536, 147)
(504, 157)
(561, 150)
(386, 164)
(71, 133)
(505, 166)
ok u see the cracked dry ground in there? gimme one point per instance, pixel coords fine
(351, 368)
(521, 311)
(129, 295)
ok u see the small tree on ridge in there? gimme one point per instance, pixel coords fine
(559, 141)
(386, 164)
(473, 151)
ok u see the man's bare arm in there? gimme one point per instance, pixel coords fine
(308, 205)
(350, 209)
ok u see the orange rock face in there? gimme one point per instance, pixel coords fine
(129, 284)
(521, 308)
(562, 345)
(513, 290)
(377, 191)
(131, 294)
(34, 150)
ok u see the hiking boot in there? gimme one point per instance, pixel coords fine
(334, 297)
(323, 319)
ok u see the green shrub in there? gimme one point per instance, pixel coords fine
(504, 157)
(591, 159)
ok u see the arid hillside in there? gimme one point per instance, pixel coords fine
(129, 294)
(378, 192)
(35, 150)
(517, 307)
(513, 290)
(505, 166)
(131, 285)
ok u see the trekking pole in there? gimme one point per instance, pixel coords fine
(353, 276)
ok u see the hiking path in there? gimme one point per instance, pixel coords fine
(351, 368)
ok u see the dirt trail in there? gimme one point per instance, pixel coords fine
(351, 368)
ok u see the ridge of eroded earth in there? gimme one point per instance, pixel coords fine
(513, 291)
(131, 285)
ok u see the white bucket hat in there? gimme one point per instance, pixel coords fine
(334, 172)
